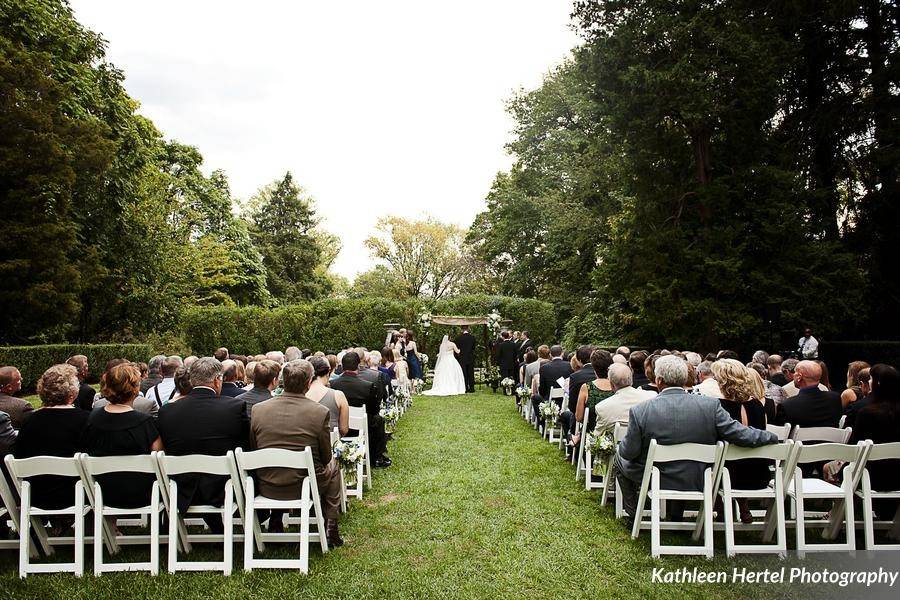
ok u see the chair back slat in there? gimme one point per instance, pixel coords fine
(771, 452)
(196, 463)
(822, 434)
(358, 412)
(887, 451)
(101, 465)
(619, 432)
(23, 468)
(828, 452)
(275, 458)
(556, 393)
(782, 431)
(705, 453)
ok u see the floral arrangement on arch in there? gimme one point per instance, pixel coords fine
(349, 454)
(425, 320)
(601, 448)
(493, 321)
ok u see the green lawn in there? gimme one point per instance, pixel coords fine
(475, 506)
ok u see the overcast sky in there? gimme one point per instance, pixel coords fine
(377, 108)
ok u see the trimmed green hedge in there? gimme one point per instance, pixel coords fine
(335, 323)
(32, 361)
(837, 355)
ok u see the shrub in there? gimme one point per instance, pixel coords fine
(32, 361)
(837, 355)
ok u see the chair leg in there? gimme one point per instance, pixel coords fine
(850, 523)
(654, 516)
(172, 562)
(98, 530)
(708, 515)
(728, 512)
(779, 517)
(249, 525)
(304, 528)
(154, 530)
(800, 508)
(24, 528)
(228, 533)
(868, 517)
(79, 529)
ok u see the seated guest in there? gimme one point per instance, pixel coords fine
(579, 377)
(335, 366)
(532, 365)
(636, 361)
(182, 383)
(707, 386)
(17, 409)
(203, 422)
(362, 393)
(153, 374)
(229, 379)
(775, 373)
(368, 371)
(117, 429)
(85, 400)
(334, 400)
(774, 393)
(240, 375)
(854, 392)
(7, 441)
(617, 407)
(221, 354)
(276, 355)
(292, 353)
(248, 375)
(675, 417)
(879, 421)
(790, 389)
(867, 379)
(140, 404)
(811, 406)
(549, 374)
(294, 422)
(265, 380)
(760, 357)
(189, 360)
(743, 401)
(590, 394)
(650, 374)
(164, 391)
(54, 430)
(623, 351)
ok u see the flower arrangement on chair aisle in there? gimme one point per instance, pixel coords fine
(601, 448)
(402, 397)
(508, 384)
(549, 411)
(349, 454)
(522, 394)
(390, 414)
(417, 386)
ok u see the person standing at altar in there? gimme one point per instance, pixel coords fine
(412, 356)
(506, 356)
(466, 357)
(525, 344)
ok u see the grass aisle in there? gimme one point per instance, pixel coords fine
(475, 506)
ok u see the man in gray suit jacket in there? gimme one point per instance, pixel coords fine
(676, 416)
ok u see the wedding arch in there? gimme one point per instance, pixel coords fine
(460, 321)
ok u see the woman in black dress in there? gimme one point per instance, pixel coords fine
(54, 430)
(118, 430)
(744, 394)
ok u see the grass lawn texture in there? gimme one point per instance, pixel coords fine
(476, 505)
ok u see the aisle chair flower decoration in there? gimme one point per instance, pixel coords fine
(601, 448)
(549, 411)
(508, 384)
(390, 414)
(522, 394)
(349, 455)
(402, 397)
(417, 386)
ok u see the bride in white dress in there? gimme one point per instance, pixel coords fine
(448, 375)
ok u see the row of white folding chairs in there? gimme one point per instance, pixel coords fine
(788, 483)
(239, 490)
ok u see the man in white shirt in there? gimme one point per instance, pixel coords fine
(708, 385)
(164, 391)
(809, 346)
(617, 407)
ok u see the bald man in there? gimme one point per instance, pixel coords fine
(811, 406)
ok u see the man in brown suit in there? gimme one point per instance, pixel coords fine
(293, 422)
(17, 409)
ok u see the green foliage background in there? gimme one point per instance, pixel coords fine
(32, 361)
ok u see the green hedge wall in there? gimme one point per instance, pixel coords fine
(32, 361)
(334, 323)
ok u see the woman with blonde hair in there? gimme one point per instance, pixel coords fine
(743, 398)
(854, 389)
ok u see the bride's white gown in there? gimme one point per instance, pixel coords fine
(448, 375)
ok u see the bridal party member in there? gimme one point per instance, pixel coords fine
(412, 356)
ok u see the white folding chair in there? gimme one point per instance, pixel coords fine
(360, 423)
(651, 487)
(834, 435)
(308, 503)
(550, 429)
(876, 452)
(842, 421)
(29, 516)
(335, 437)
(799, 489)
(609, 482)
(9, 512)
(169, 466)
(582, 466)
(780, 453)
(782, 431)
(91, 467)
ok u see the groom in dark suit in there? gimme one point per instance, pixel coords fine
(506, 357)
(466, 357)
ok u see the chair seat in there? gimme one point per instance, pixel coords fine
(205, 508)
(817, 488)
(47, 512)
(263, 502)
(766, 492)
(111, 511)
(874, 494)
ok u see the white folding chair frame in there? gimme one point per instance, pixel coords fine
(876, 452)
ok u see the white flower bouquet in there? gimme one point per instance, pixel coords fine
(522, 393)
(507, 383)
(349, 454)
(417, 386)
(549, 411)
(425, 320)
(401, 394)
(423, 358)
(390, 414)
(494, 320)
(601, 448)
